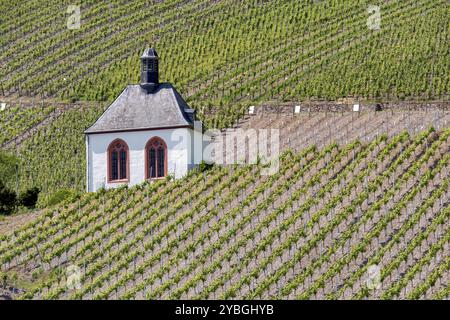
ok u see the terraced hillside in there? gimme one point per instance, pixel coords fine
(224, 54)
(309, 231)
(221, 55)
(61, 143)
(359, 207)
(320, 124)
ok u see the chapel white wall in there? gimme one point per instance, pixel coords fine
(183, 154)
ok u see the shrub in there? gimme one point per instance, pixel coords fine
(204, 166)
(8, 200)
(60, 196)
(29, 198)
(8, 165)
(4, 280)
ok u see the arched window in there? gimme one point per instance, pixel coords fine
(156, 158)
(118, 161)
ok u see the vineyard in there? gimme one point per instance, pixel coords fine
(49, 134)
(61, 143)
(309, 231)
(253, 51)
(359, 207)
(17, 120)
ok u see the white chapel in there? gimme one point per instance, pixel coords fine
(147, 133)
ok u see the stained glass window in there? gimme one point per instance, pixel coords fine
(156, 161)
(160, 161)
(118, 162)
(115, 166)
(123, 164)
(152, 157)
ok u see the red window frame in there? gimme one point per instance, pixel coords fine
(118, 146)
(157, 144)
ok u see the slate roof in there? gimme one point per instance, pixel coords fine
(135, 109)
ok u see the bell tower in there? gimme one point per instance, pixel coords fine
(149, 70)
